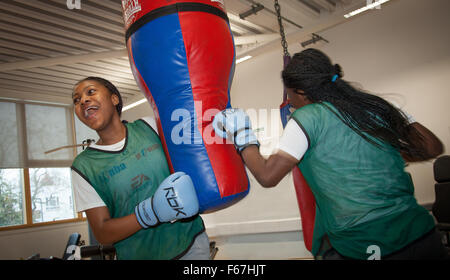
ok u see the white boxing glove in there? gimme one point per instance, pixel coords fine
(235, 124)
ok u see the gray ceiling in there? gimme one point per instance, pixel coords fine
(46, 47)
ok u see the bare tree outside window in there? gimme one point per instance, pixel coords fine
(51, 194)
(11, 198)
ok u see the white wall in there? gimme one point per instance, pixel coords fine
(46, 240)
(142, 110)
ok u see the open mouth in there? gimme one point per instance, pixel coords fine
(90, 111)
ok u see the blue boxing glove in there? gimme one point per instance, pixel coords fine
(174, 199)
(235, 125)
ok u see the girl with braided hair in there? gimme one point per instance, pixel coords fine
(351, 147)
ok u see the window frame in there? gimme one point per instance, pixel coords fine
(27, 164)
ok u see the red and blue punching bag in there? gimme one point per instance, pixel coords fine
(182, 56)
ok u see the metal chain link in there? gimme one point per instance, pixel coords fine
(280, 23)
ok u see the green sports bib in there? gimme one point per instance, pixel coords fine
(125, 178)
(363, 195)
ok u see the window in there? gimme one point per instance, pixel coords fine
(51, 194)
(11, 197)
(9, 148)
(35, 186)
(48, 127)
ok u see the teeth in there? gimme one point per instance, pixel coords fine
(86, 111)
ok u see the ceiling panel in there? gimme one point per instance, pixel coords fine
(46, 47)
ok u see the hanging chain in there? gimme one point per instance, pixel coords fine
(280, 23)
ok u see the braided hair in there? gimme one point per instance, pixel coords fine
(313, 72)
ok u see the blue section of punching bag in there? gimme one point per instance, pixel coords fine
(285, 113)
(160, 57)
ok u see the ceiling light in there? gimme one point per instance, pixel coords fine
(372, 5)
(132, 105)
(243, 59)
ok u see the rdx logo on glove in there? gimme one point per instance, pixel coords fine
(171, 197)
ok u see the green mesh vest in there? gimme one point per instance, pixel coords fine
(123, 179)
(363, 195)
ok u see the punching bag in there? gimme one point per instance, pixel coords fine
(307, 205)
(182, 57)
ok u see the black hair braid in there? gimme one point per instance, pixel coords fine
(368, 115)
